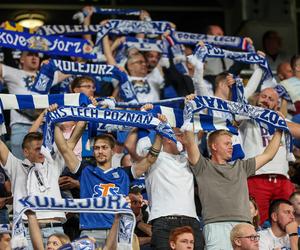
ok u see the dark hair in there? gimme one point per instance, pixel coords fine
(32, 136)
(107, 137)
(293, 195)
(135, 190)
(275, 205)
(294, 60)
(79, 80)
(256, 218)
(178, 231)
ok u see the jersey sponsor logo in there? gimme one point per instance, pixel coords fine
(105, 189)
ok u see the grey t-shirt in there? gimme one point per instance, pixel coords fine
(223, 190)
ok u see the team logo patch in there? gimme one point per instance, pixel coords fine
(38, 43)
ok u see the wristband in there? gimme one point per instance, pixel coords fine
(293, 234)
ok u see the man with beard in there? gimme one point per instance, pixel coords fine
(283, 232)
(98, 180)
(271, 181)
(244, 237)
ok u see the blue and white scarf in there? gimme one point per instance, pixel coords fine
(172, 102)
(222, 41)
(105, 116)
(201, 52)
(125, 27)
(266, 118)
(116, 204)
(52, 45)
(139, 44)
(176, 53)
(281, 91)
(65, 29)
(104, 11)
(44, 79)
(10, 101)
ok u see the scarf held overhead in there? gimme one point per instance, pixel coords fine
(208, 50)
(115, 204)
(125, 27)
(52, 45)
(106, 116)
(223, 41)
(44, 80)
(104, 11)
(266, 118)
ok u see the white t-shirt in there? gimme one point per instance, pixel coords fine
(170, 187)
(254, 140)
(292, 86)
(21, 187)
(149, 90)
(268, 241)
(18, 82)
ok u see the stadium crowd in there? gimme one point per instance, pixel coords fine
(222, 177)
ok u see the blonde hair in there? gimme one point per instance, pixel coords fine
(64, 239)
(214, 135)
(237, 231)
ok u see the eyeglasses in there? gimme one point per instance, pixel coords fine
(251, 237)
(88, 87)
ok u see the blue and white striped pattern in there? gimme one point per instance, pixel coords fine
(10, 101)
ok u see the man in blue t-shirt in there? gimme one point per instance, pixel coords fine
(98, 180)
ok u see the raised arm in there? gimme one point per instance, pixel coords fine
(198, 81)
(294, 129)
(4, 151)
(107, 48)
(143, 165)
(76, 134)
(191, 147)
(35, 231)
(87, 20)
(269, 151)
(69, 156)
(111, 241)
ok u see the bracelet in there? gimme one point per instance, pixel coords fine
(293, 234)
(154, 152)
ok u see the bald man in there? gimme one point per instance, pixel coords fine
(244, 237)
(272, 180)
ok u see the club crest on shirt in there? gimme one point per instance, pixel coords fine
(105, 189)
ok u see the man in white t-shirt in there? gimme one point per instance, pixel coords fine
(19, 81)
(283, 232)
(271, 181)
(36, 175)
(170, 189)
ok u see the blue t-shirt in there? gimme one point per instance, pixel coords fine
(95, 182)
